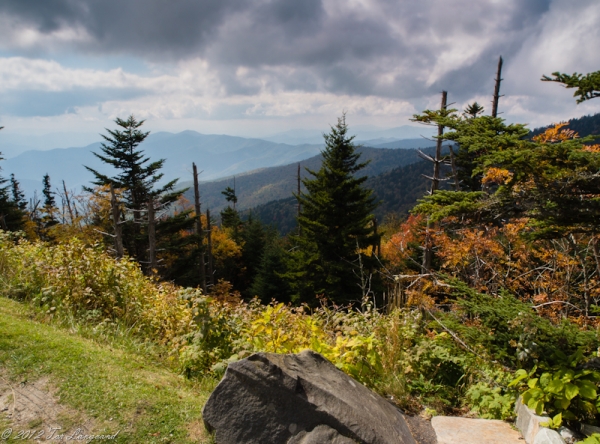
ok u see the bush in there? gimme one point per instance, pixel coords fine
(84, 282)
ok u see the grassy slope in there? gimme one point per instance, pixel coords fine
(146, 401)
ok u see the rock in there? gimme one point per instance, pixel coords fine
(528, 422)
(456, 430)
(567, 434)
(548, 436)
(320, 435)
(588, 430)
(272, 398)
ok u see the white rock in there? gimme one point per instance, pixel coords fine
(548, 436)
(528, 422)
(567, 435)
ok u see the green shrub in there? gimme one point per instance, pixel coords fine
(564, 390)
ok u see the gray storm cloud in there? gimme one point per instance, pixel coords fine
(380, 47)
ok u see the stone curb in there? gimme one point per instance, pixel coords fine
(528, 424)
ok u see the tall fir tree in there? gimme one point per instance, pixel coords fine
(49, 209)
(230, 217)
(11, 216)
(138, 179)
(269, 280)
(336, 224)
(18, 196)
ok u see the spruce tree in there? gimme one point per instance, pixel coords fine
(11, 216)
(49, 210)
(137, 178)
(587, 86)
(269, 281)
(230, 217)
(336, 222)
(18, 196)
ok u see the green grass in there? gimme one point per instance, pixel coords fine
(122, 391)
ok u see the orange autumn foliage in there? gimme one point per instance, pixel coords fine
(556, 134)
(398, 248)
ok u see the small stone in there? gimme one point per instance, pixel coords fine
(588, 430)
(567, 434)
(548, 436)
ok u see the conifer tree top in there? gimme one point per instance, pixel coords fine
(336, 221)
(136, 176)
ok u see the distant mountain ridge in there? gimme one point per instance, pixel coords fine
(269, 184)
(584, 126)
(363, 134)
(216, 156)
(397, 190)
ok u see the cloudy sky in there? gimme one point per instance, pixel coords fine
(260, 67)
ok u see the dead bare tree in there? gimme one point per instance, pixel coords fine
(209, 248)
(298, 197)
(199, 231)
(151, 237)
(497, 88)
(116, 225)
(435, 184)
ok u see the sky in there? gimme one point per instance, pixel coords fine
(256, 68)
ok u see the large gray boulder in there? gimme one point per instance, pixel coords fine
(280, 399)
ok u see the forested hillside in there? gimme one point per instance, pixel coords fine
(265, 185)
(397, 191)
(584, 126)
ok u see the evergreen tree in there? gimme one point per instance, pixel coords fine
(473, 110)
(49, 201)
(11, 216)
(270, 281)
(336, 223)
(18, 196)
(49, 210)
(137, 178)
(587, 86)
(255, 238)
(178, 247)
(230, 217)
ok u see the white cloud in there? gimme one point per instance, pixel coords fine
(17, 35)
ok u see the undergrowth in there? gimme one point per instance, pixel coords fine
(459, 360)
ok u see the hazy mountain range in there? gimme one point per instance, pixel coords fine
(217, 156)
(257, 188)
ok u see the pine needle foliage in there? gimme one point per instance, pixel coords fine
(336, 222)
(136, 176)
(587, 86)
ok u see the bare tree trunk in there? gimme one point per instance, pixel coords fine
(299, 205)
(497, 89)
(199, 231)
(209, 240)
(435, 183)
(377, 243)
(117, 227)
(234, 193)
(68, 201)
(454, 170)
(151, 236)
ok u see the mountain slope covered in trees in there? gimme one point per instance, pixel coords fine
(397, 191)
(276, 183)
